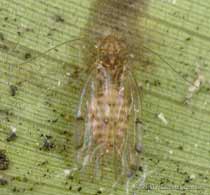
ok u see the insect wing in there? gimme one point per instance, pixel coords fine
(134, 143)
(83, 134)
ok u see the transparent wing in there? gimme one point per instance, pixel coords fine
(83, 133)
(134, 145)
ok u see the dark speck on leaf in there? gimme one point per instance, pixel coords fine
(15, 189)
(157, 83)
(79, 189)
(99, 192)
(70, 177)
(54, 120)
(13, 90)
(180, 147)
(208, 89)
(164, 181)
(79, 118)
(187, 179)
(27, 56)
(1, 36)
(4, 161)
(47, 143)
(59, 19)
(43, 163)
(141, 169)
(62, 115)
(188, 39)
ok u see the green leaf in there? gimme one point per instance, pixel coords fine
(39, 91)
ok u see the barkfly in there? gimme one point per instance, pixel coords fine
(110, 106)
(110, 110)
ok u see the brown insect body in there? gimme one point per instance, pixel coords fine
(110, 109)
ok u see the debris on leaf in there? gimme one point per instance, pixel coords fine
(67, 172)
(4, 161)
(27, 56)
(58, 18)
(170, 151)
(12, 136)
(47, 143)
(13, 90)
(162, 118)
(196, 85)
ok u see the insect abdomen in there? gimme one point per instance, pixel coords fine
(108, 117)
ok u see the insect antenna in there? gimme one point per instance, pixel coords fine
(170, 66)
(47, 51)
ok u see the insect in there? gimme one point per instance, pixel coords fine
(110, 107)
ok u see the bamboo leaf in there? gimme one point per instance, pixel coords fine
(39, 91)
